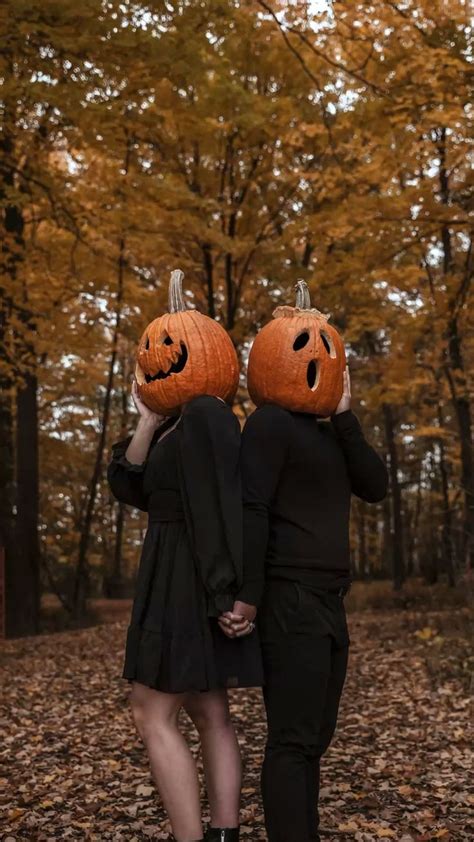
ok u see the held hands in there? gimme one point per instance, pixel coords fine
(345, 402)
(240, 621)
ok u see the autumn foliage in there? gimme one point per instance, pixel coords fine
(251, 144)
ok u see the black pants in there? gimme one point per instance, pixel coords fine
(305, 649)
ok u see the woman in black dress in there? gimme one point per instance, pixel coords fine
(184, 471)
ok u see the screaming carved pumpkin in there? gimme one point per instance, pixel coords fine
(298, 359)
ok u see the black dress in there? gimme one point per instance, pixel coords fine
(191, 561)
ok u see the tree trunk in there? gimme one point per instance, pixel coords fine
(447, 525)
(387, 541)
(362, 541)
(23, 599)
(431, 558)
(398, 560)
(463, 415)
(454, 367)
(11, 226)
(308, 251)
(82, 572)
(229, 276)
(416, 524)
(408, 523)
(117, 572)
(7, 450)
(18, 533)
(208, 271)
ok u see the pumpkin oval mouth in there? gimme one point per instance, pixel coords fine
(312, 374)
(175, 368)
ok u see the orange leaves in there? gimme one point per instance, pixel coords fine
(77, 767)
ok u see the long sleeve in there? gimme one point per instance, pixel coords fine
(126, 479)
(264, 449)
(367, 471)
(208, 463)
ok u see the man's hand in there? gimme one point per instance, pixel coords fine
(239, 621)
(345, 402)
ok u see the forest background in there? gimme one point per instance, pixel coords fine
(250, 144)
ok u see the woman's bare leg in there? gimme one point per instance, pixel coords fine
(172, 765)
(221, 756)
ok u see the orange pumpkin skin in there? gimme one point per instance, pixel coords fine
(297, 360)
(184, 354)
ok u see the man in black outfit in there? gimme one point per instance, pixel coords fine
(299, 472)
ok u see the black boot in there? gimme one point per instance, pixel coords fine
(222, 834)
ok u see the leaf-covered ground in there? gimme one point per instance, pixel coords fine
(73, 767)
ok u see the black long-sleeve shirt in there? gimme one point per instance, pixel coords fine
(298, 474)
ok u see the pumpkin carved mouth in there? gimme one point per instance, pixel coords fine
(312, 374)
(175, 367)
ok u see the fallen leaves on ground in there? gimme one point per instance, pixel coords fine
(73, 767)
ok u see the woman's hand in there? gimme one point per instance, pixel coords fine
(345, 402)
(146, 415)
(148, 422)
(239, 621)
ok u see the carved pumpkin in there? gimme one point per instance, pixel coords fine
(184, 354)
(297, 360)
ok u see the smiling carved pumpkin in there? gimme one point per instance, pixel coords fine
(184, 354)
(297, 360)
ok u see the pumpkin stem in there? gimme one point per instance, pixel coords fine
(175, 292)
(303, 301)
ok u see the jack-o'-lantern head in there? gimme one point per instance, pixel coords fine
(298, 359)
(184, 354)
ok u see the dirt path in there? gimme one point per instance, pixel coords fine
(398, 768)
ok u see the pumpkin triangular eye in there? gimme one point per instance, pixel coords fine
(165, 339)
(147, 343)
(301, 340)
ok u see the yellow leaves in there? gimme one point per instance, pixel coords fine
(405, 790)
(85, 769)
(339, 231)
(296, 137)
(426, 633)
(15, 814)
(144, 790)
(430, 431)
(380, 831)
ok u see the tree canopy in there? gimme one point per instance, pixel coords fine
(250, 144)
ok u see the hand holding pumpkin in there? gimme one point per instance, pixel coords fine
(147, 415)
(345, 402)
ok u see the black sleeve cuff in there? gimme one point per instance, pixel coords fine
(219, 603)
(346, 422)
(118, 457)
(251, 592)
